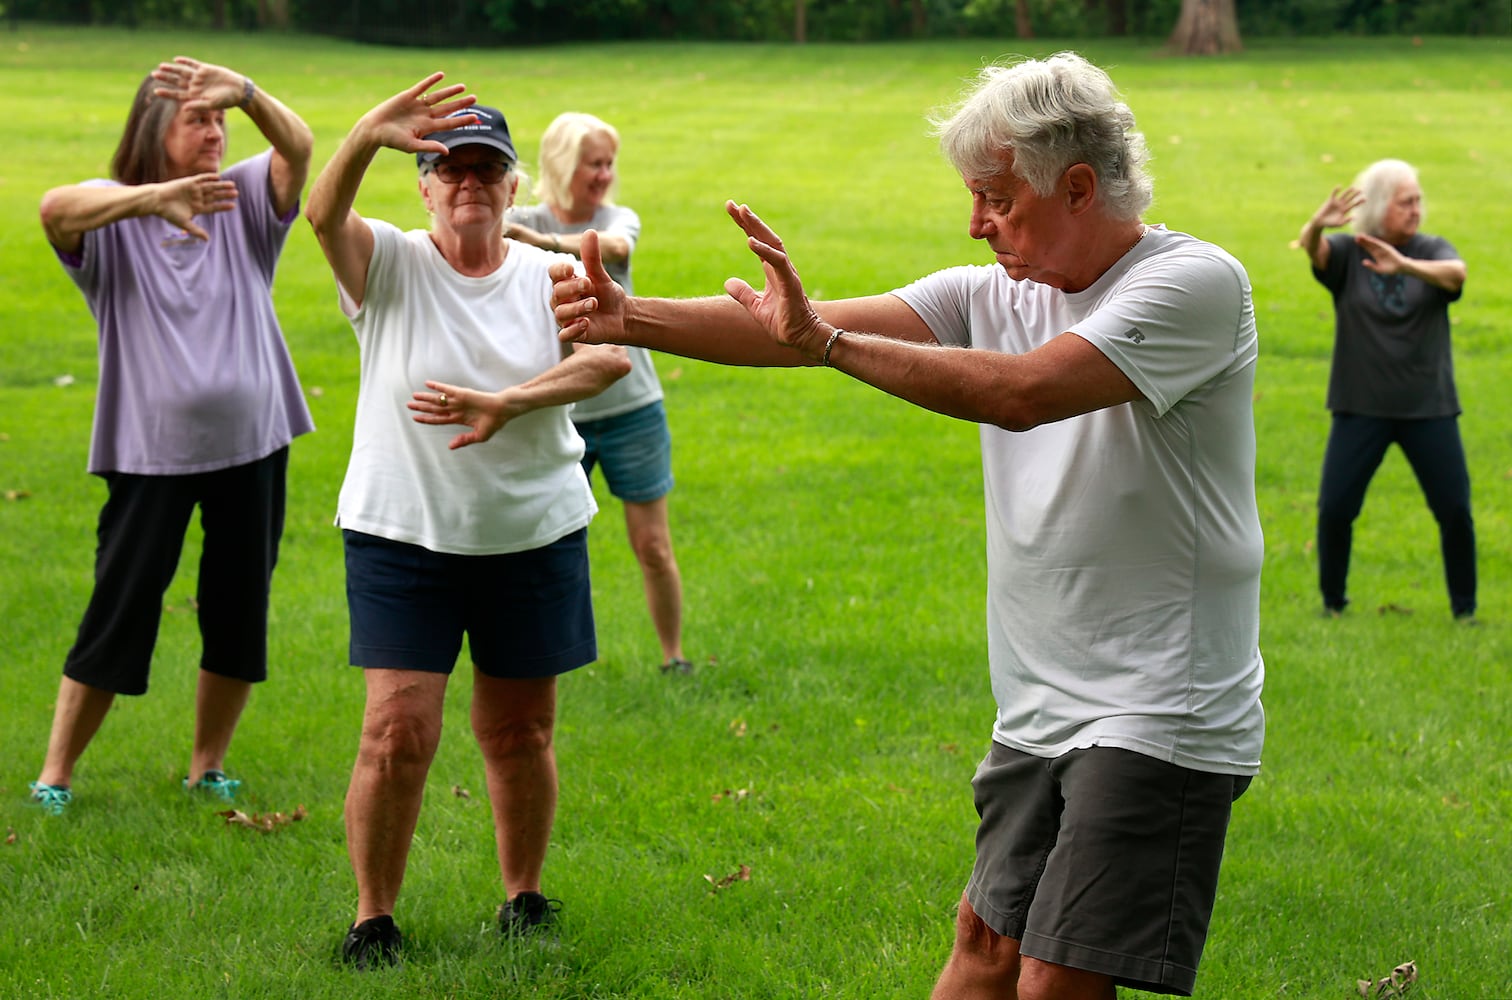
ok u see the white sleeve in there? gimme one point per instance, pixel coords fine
(1176, 322)
(943, 302)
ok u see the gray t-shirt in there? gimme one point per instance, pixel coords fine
(194, 372)
(1391, 355)
(1124, 546)
(641, 387)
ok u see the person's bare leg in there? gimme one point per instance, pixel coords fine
(401, 728)
(651, 540)
(77, 716)
(983, 965)
(513, 721)
(218, 705)
(1048, 981)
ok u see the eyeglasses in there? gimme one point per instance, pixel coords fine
(488, 171)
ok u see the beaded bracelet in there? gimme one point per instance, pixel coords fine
(830, 344)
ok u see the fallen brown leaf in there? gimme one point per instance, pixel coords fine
(1396, 985)
(263, 822)
(741, 874)
(17, 494)
(10, 835)
(461, 792)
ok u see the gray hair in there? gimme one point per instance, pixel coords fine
(1378, 183)
(1050, 114)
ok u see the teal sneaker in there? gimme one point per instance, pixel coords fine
(51, 799)
(215, 783)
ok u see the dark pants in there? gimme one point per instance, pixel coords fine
(1356, 446)
(140, 537)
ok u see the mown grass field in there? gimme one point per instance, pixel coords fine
(831, 544)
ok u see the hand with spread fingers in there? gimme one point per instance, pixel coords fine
(1383, 258)
(1339, 208)
(403, 121)
(453, 404)
(782, 307)
(179, 201)
(199, 85)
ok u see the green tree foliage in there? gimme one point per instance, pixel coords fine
(533, 22)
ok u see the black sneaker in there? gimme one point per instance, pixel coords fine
(527, 913)
(372, 944)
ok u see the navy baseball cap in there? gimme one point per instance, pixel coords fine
(490, 130)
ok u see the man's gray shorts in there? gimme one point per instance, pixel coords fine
(1101, 859)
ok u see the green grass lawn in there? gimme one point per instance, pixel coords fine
(831, 544)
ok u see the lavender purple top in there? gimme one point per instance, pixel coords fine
(194, 372)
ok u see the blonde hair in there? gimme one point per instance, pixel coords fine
(561, 149)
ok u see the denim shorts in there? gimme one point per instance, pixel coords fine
(525, 614)
(635, 451)
(1101, 859)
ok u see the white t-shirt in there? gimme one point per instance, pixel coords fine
(520, 490)
(1124, 546)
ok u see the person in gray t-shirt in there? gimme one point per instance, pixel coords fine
(1392, 379)
(198, 399)
(624, 428)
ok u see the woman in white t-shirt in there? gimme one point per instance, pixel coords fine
(488, 542)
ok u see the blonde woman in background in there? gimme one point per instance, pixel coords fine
(625, 427)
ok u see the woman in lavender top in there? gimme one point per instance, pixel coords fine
(198, 399)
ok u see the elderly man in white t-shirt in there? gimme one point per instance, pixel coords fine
(1110, 365)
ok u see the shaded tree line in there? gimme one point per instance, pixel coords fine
(531, 22)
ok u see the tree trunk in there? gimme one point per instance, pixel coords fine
(800, 22)
(1118, 18)
(1021, 19)
(1206, 28)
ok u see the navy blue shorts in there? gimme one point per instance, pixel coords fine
(635, 451)
(139, 540)
(525, 614)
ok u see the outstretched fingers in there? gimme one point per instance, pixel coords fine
(407, 117)
(443, 403)
(751, 224)
(783, 306)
